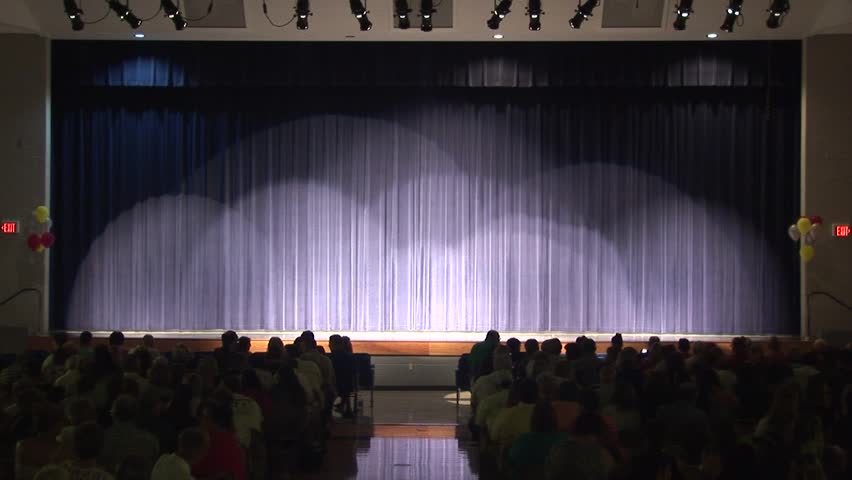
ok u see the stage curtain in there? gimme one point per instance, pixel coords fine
(636, 209)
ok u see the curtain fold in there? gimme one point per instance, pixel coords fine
(642, 210)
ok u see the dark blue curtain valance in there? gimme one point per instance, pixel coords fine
(579, 65)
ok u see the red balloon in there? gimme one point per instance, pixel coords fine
(47, 239)
(33, 241)
(815, 219)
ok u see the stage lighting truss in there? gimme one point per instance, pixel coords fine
(682, 12)
(584, 11)
(535, 12)
(500, 11)
(733, 15)
(427, 9)
(777, 12)
(402, 11)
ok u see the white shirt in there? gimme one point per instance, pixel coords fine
(247, 417)
(171, 467)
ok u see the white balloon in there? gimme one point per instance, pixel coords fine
(793, 232)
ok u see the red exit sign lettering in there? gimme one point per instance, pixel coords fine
(841, 230)
(9, 227)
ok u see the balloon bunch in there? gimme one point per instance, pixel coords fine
(805, 229)
(41, 237)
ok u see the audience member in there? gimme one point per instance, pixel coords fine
(481, 351)
(192, 448)
(124, 439)
(224, 455)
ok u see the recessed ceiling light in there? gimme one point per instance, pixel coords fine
(139, 35)
(498, 36)
(712, 35)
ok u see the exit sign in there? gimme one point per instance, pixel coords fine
(841, 230)
(9, 227)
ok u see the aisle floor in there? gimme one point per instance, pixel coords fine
(407, 435)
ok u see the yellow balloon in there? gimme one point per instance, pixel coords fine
(39, 249)
(804, 225)
(41, 213)
(807, 253)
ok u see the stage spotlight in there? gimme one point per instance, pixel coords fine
(361, 14)
(124, 13)
(173, 13)
(777, 11)
(584, 11)
(735, 8)
(303, 10)
(683, 11)
(426, 10)
(534, 11)
(74, 14)
(401, 10)
(499, 13)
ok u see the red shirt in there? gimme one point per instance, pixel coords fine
(224, 456)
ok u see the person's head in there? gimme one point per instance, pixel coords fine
(502, 359)
(653, 340)
(492, 336)
(514, 345)
(548, 387)
(785, 402)
(541, 362)
(229, 339)
(611, 355)
(683, 346)
(150, 404)
(86, 339)
(573, 351)
(80, 410)
(627, 359)
(347, 344)
(244, 345)
(181, 354)
(148, 341)
(308, 335)
(523, 391)
(133, 467)
(52, 472)
(274, 348)
(88, 441)
(116, 339)
(159, 374)
(125, 409)
(308, 344)
(217, 413)
(543, 418)
(589, 347)
(617, 341)
(531, 346)
(60, 338)
(335, 343)
(552, 347)
(192, 445)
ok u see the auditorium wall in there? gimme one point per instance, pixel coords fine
(23, 175)
(827, 178)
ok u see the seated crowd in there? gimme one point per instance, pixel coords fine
(105, 411)
(683, 411)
